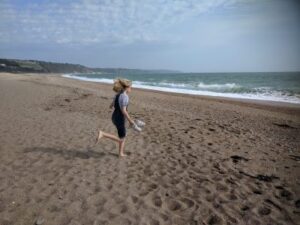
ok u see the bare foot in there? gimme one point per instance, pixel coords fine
(100, 135)
(123, 155)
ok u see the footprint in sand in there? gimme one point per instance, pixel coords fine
(232, 197)
(173, 205)
(221, 187)
(188, 202)
(286, 194)
(214, 219)
(154, 222)
(120, 209)
(134, 199)
(144, 193)
(100, 202)
(245, 208)
(257, 192)
(263, 211)
(157, 201)
(54, 208)
(152, 187)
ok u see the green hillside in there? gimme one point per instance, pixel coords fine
(34, 66)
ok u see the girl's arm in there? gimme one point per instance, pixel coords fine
(124, 111)
(111, 105)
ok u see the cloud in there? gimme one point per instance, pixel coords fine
(99, 21)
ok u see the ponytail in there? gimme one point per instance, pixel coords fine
(121, 84)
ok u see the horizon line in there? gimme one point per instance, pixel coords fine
(171, 70)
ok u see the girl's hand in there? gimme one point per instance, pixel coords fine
(136, 127)
(111, 105)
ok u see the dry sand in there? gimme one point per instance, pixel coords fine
(200, 160)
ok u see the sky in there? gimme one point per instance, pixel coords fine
(184, 35)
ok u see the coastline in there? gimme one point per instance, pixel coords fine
(200, 159)
(220, 98)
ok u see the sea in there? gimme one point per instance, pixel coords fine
(276, 86)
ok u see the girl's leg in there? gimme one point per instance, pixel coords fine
(114, 138)
(121, 147)
(107, 135)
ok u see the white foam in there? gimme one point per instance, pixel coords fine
(268, 96)
(172, 84)
(217, 86)
(101, 80)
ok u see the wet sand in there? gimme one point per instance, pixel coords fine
(199, 160)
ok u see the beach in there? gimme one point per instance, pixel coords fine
(199, 160)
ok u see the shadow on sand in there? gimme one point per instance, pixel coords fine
(70, 153)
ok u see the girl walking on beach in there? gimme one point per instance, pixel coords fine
(120, 103)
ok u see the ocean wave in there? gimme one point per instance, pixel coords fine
(101, 80)
(160, 84)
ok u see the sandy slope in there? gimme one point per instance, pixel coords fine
(199, 160)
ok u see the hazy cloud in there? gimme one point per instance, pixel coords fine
(98, 21)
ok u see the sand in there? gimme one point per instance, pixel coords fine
(199, 160)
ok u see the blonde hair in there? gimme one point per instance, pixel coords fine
(121, 84)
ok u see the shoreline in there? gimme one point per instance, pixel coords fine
(255, 103)
(234, 96)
